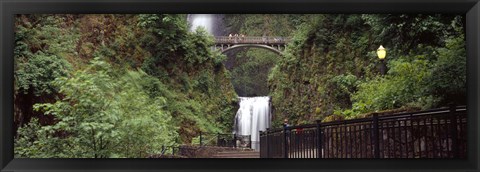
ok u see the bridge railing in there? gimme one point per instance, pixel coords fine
(251, 40)
(437, 133)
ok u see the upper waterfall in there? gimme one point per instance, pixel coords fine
(213, 23)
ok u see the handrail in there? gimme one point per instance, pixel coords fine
(379, 136)
(437, 111)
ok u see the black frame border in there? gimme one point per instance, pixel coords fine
(8, 8)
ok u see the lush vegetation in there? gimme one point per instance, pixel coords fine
(125, 85)
(330, 67)
(115, 85)
(250, 67)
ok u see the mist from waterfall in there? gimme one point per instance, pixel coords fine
(213, 23)
(253, 116)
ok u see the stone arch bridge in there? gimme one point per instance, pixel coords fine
(275, 44)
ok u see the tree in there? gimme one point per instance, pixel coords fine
(103, 113)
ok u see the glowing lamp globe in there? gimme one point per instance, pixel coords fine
(381, 53)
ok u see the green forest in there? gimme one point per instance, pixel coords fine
(123, 86)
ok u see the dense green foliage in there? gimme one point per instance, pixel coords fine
(125, 85)
(331, 67)
(201, 92)
(419, 82)
(102, 113)
(115, 85)
(42, 48)
(249, 71)
(250, 67)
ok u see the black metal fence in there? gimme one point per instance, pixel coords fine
(216, 139)
(437, 133)
(224, 140)
(177, 150)
(209, 139)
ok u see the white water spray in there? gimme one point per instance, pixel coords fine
(201, 20)
(213, 23)
(253, 116)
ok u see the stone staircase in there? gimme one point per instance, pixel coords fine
(237, 154)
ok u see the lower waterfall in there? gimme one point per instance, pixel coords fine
(253, 116)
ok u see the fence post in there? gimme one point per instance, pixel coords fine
(285, 142)
(235, 140)
(200, 138)
(319, 139)
(250, 138)
(163, 150)
(266, 144)
(453, 123)
(376, 137)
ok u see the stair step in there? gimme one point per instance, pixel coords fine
(237, 154)
(253, 153)
(224, 155)
(237, 157)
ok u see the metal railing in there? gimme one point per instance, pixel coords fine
(251, 40)
(437, 133)
(206, 139)
(177, 150)
(223, 140)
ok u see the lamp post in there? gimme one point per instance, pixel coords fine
(381, 53)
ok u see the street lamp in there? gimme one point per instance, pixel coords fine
(381, 53)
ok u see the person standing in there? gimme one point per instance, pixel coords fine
(287, 132)
(285, 123)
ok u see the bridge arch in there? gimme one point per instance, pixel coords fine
(275, 50)
(274, 44)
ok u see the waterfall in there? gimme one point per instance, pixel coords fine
(254, 112)
(252, 116)
(213, 23)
